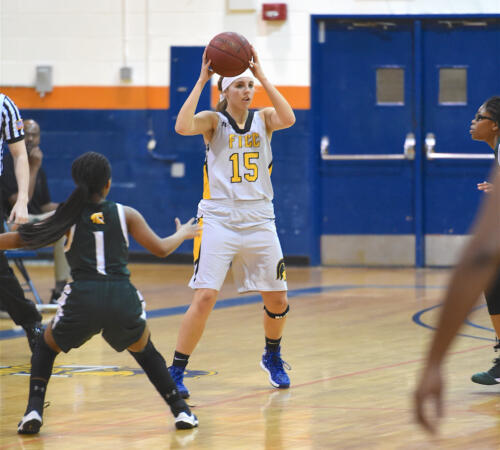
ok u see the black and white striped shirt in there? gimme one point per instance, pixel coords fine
(11, 125)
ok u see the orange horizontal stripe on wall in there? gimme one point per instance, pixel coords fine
(132, 97)
(297, 96)
(91, 97)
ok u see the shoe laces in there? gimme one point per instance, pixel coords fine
(277, 362)
(177, 374)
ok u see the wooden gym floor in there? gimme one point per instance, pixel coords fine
(355, 339)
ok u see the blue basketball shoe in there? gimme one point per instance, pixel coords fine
(177, 374)
(273, 364)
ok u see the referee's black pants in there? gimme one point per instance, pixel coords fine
(22, 310)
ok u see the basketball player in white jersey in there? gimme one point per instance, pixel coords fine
(236, 212)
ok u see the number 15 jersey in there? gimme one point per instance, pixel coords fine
(238, 162)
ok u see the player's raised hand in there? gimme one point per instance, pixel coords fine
(205, 72)
(255, 66)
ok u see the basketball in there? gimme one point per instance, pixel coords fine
(229, 53)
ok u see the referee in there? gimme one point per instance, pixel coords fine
(22, 311)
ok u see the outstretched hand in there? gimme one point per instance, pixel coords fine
(485, 186)
(205, 73)
(189, 230)
(429, 389)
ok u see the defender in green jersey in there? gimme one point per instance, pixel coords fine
(101, 297)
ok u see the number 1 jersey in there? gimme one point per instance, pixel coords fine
(97, 245)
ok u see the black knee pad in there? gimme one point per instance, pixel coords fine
(277, 316)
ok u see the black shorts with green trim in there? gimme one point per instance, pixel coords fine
(87, 307)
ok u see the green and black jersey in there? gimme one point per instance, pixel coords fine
(97, 245)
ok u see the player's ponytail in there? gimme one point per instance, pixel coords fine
(222, 104)
(91, 172)
(492, 105)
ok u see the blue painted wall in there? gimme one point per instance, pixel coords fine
(145, 183)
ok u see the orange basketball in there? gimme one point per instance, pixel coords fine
(229, 53)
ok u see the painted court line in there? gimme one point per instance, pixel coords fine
(417, 318)
(148, 418)
(247, 300)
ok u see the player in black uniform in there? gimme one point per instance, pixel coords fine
(101, 297)
(486, 127)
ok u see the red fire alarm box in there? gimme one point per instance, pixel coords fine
(274, 11)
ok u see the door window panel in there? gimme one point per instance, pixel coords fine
(453, 86)
(390, 86)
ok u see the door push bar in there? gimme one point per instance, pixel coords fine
(430, 153)
(408, 152)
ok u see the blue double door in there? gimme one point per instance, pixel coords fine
(392, 102)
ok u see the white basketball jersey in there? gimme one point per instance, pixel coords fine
(238, 161)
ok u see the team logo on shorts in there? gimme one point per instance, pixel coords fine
(97, 218)
(280, 270)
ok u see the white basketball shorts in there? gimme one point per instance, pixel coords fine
(241, 235)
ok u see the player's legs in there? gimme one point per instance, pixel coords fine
(21, 310)
(495, 321)
(48, 337)
(194, 321)
(125, 327)
(492, 295)
(275, 303)
(77, 319)
(192, 327)
(213, 252)
(275, 311)
(260, 266)
(154, 366)
(42, 362)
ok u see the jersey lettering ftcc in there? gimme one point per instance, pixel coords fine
(248, 140)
